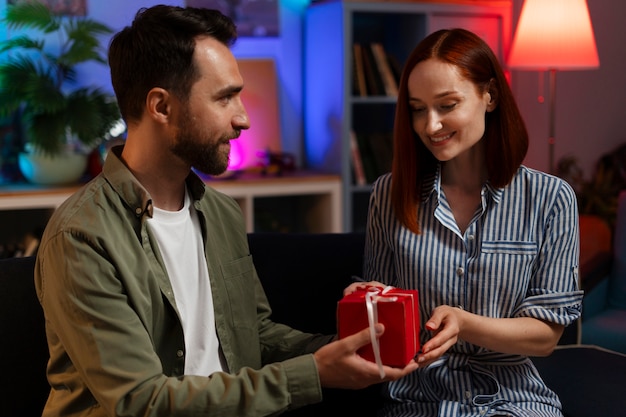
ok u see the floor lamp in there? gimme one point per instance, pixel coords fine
(553, 35)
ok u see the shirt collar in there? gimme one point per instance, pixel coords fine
(431, 185)
(130, 189)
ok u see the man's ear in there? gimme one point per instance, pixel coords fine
(158, 104)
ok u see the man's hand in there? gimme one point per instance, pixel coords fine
(339, 365)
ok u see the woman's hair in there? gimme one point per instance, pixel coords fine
(506, 138)
(157, 50)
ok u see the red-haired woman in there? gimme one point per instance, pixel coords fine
(491, 245)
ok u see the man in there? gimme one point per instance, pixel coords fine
(152, 303)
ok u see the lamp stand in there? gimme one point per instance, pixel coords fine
(552, 135)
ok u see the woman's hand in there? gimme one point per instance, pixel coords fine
(445, 325)
(357, 285)
(517, 335)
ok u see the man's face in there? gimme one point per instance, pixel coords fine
(214, 113)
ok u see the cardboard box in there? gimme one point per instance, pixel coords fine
(397, 310)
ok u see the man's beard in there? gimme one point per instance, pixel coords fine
(191, 147)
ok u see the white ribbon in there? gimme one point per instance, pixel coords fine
(371, 299)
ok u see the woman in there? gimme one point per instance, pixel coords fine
(491, 245)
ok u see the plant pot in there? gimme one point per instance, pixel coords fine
(65, 168)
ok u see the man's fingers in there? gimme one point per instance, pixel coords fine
(363, 337)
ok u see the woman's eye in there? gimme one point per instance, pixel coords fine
(418, 109)
(448, 107)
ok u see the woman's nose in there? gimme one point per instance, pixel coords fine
(433, 122)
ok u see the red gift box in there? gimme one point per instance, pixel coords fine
(396, 309)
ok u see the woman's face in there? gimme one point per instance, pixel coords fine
(448, 110)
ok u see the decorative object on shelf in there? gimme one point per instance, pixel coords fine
(276, 163)
(261, 98)
(44, 169)
(36, 81)
(554, 35)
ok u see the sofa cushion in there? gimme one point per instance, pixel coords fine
(23, 345)
(304, 275)
(617, 282)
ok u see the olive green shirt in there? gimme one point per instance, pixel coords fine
(115, 337)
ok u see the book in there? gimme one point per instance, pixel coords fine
(373, 78)
(357, 162)
(390, 84)
(367, 158)
(359, 71)
(396, 67)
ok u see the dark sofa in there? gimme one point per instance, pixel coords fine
(303, 275)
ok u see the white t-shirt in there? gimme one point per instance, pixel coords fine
(179, 237)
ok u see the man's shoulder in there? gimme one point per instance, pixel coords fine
(96, 196)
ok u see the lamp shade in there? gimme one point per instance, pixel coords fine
(554, 34)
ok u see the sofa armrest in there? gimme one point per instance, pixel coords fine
(594, 280)
(589, 380)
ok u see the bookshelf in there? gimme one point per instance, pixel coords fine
(294, 202)
(336, 111)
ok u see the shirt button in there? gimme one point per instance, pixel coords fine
(460, 271)
(468, 395)
(138, 210)
(470, 238)
(179, 353)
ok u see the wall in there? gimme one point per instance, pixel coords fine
(590, 115)
(285, 50)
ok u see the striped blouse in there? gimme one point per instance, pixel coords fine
(517, 258)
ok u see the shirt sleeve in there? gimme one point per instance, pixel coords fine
(553, 293)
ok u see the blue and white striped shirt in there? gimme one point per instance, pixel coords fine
(517, 258)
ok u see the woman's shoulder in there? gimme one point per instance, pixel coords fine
(535, 175)
(543, 182)
(382, 184)
(384, 181)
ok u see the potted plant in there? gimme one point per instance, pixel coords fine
(38, 80)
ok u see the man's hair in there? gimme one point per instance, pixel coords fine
(157, 50)
(506, 137)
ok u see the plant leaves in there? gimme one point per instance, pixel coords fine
(31, 15)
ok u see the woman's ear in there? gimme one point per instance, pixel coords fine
(492, 93)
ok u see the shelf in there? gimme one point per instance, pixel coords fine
(323, 211)
(318, 212)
